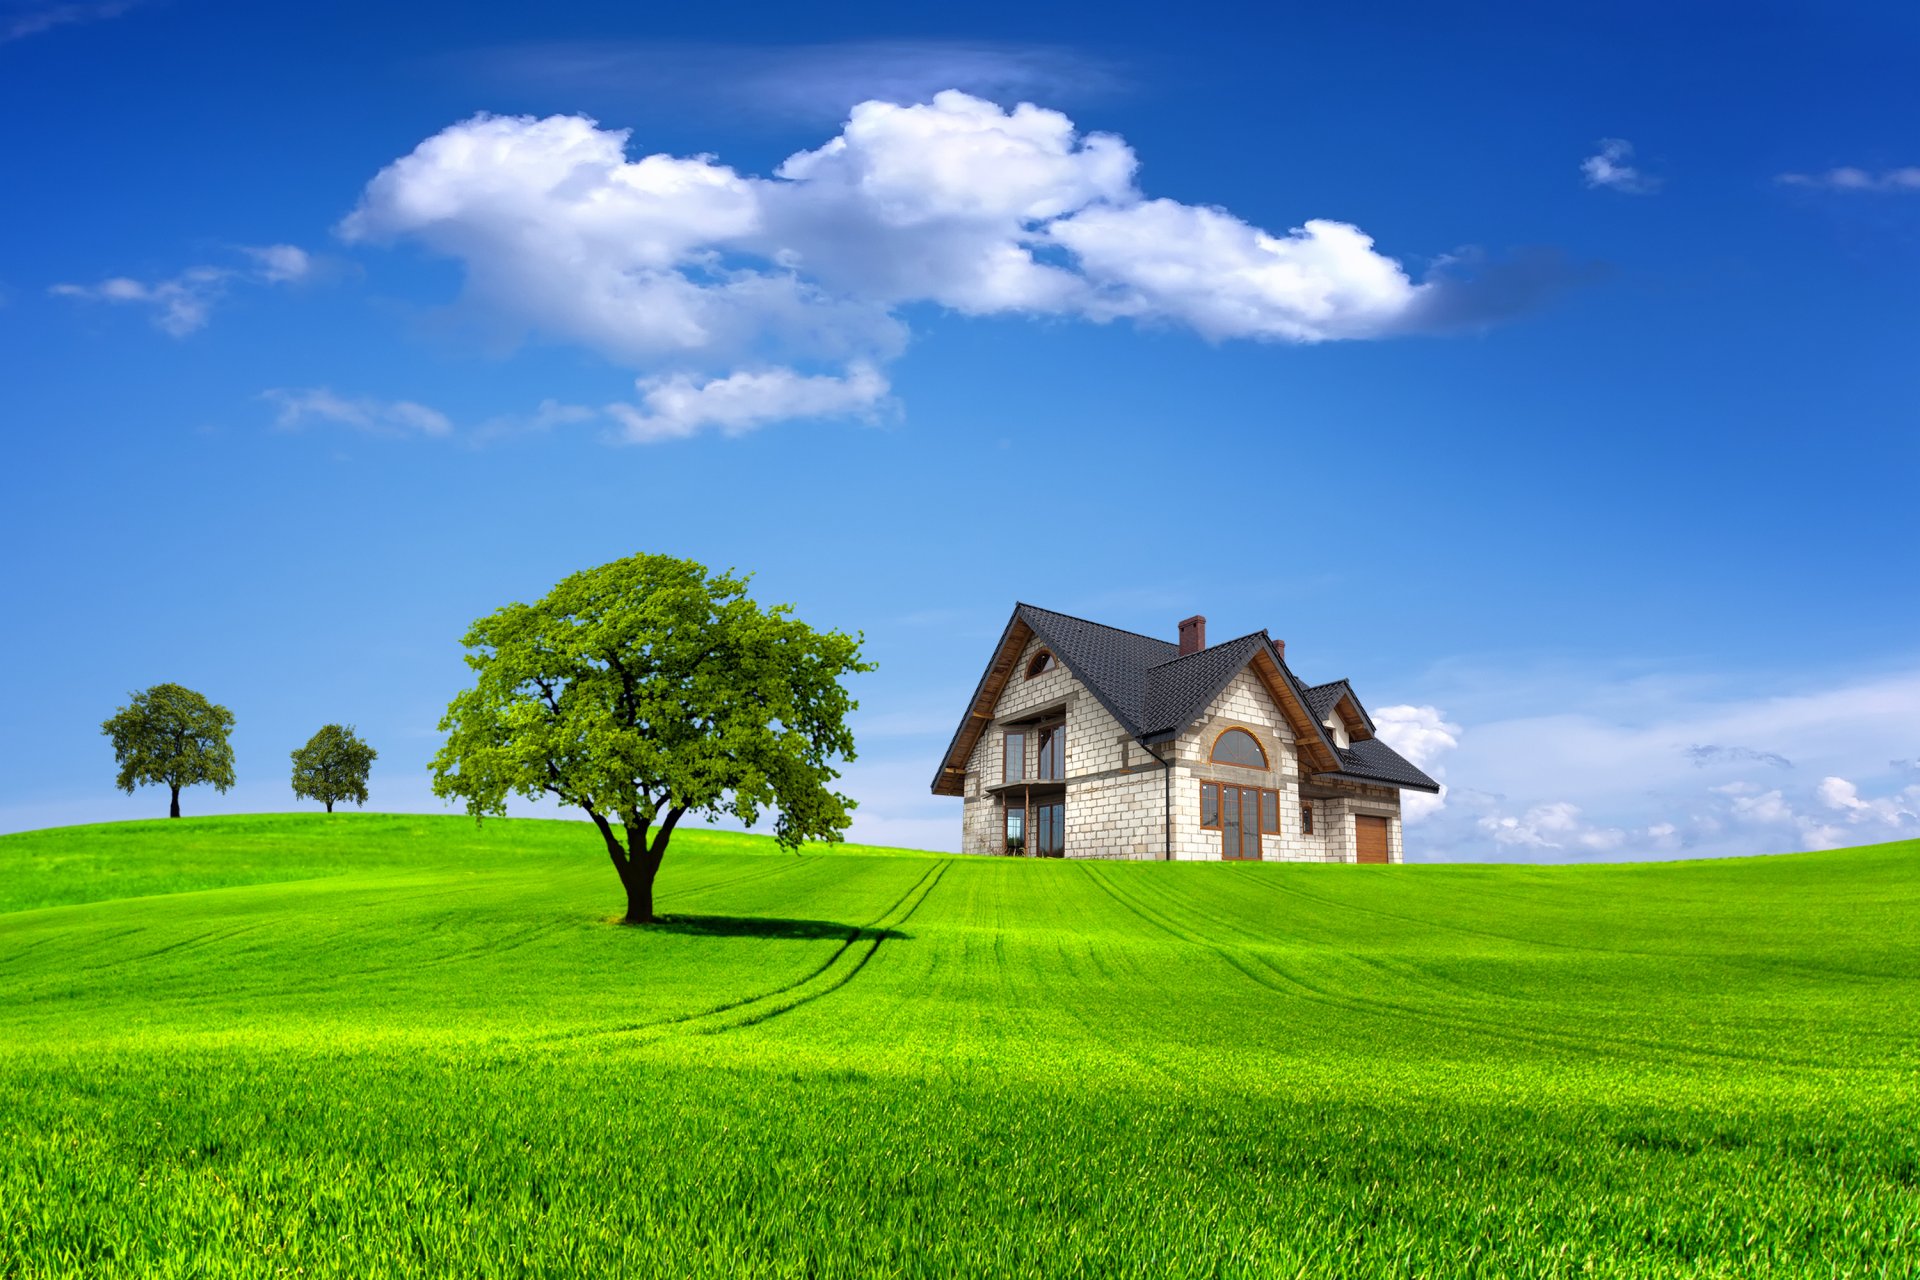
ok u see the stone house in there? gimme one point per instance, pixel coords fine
(1086, 741)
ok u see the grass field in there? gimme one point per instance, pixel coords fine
(361, 1045)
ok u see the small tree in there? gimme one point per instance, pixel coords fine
(333, 766)
(645, 690)
(171, 736)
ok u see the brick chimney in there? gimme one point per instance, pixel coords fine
(1193, 635)
(1280, 647)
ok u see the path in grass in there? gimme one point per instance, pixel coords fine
(363, 1043)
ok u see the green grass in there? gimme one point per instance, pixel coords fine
(361, 1045)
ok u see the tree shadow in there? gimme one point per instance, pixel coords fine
(766, 927)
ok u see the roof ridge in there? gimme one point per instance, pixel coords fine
(1074, 617)
(1182, 657)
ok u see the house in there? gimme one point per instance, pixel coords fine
(1086, 741)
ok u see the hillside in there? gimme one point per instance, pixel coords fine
(362, 1044)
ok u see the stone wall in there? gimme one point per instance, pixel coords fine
(1116, 790)
(1110, 810)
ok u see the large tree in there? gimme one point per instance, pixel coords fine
(333, 766)
(647, 689)
(170, 736)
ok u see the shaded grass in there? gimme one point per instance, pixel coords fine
(423, 1050)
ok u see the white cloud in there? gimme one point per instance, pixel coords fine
(297, 409)
(1423, 735)
(279, 263)
(1848, 178)
(1555, 825)
(1161, 260)
(676, 407)
(1899, 812)
(183, 303)
(705, 279)
(1612, 167)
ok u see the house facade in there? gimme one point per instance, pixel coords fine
(1087, 741)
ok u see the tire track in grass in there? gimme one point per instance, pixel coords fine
(686, 1021)
(882, 929)
(1292, 984)
(198, 939)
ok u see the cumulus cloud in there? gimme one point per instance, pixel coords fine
(1898, 812)
(1556, 825)
(673, 408)
(301, 408)
(1848, 178)
(1423, 735)
(183, 303)
(732, 292)
(1611, 167)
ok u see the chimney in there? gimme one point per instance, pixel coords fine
(1280, 647)
(1193, 635)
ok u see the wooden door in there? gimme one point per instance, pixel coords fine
(1240, 823)
(1371, 836)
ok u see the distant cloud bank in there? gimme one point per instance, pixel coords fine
(1591, 784)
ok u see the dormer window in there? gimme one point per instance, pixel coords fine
(1237, 746)
(1337, 730)
(1042, 663)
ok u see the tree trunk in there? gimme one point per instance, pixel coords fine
(329, 806)
(640, 896)
(174, 811)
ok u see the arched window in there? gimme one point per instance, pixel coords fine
(1237, 746)
(1042, 663)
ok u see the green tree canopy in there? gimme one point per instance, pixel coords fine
(333, 766)
(170, 736)
(645, 690)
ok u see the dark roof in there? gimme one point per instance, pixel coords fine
(1114, 664)
(1371, 760)
(1179, 690)
(1323, 697)
(1155, 692)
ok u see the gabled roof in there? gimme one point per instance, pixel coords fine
(1325, 698)
(1155, 692)
(1180, 689)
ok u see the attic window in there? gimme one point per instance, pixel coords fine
(1042, 663)
(1237, 746)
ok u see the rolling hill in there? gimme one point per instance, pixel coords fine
(389, 1045)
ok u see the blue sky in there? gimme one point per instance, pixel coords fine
(1552, 376)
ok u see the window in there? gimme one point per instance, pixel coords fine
(1042, 663)
(1237, 746)
(1016, 826)
(1014, 760)
(1051, 759)
(1049, 829)
(1252, 810)
(1306, 819)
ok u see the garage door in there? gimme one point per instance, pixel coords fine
(1372, 834)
